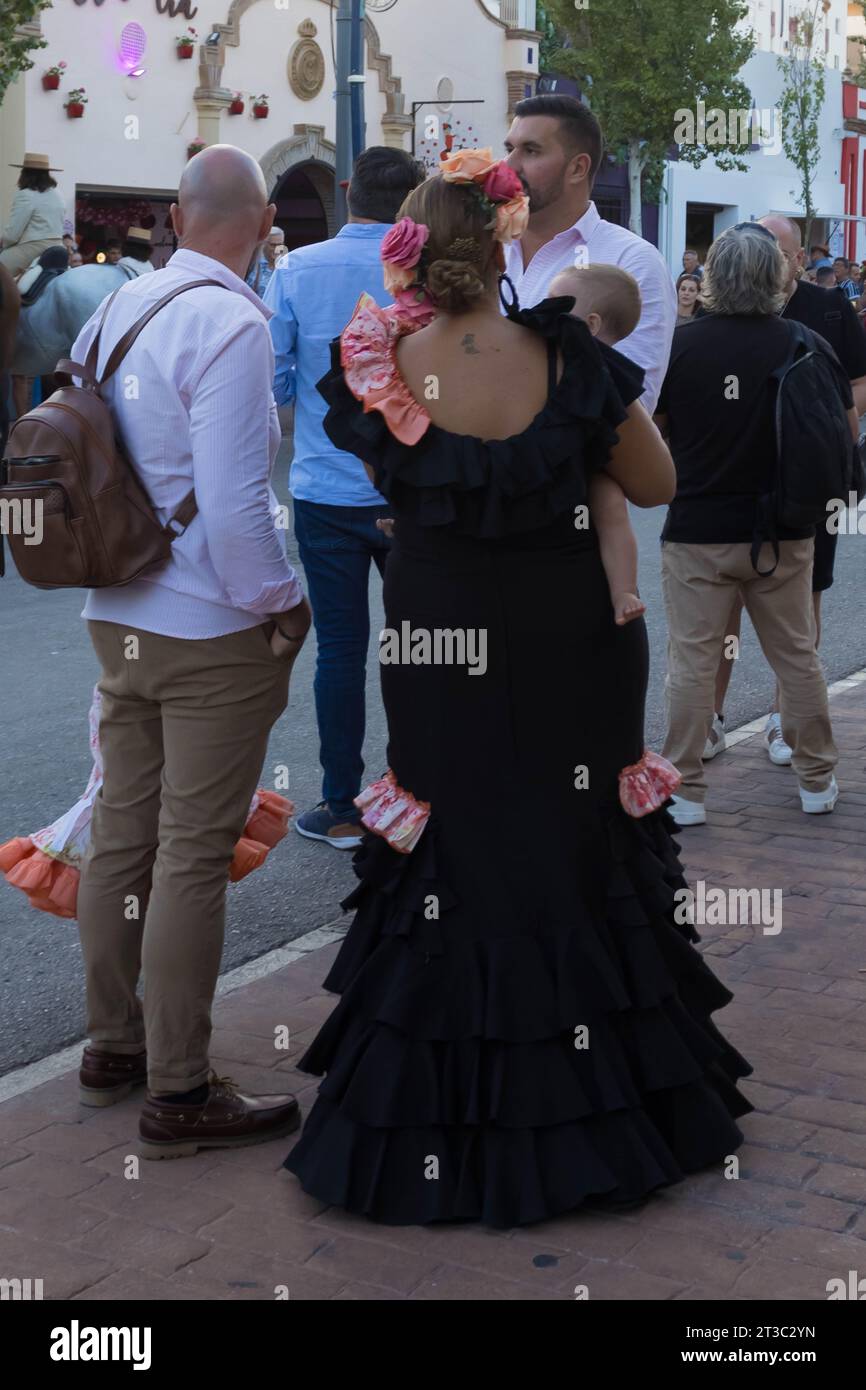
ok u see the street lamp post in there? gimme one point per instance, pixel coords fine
(350, 97)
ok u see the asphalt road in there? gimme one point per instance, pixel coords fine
(48, 671)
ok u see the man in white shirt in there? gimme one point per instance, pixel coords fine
(555, 146)
(196, 658)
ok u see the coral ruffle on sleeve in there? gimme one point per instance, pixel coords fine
(367, 355)
(485, 488)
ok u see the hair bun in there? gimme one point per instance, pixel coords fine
(456, 285)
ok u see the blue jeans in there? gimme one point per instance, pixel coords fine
(336, 545)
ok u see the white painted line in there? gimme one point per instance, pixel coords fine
(16, 1083)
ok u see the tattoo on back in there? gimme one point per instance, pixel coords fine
(468, 345)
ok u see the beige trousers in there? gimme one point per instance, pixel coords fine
(183, 734)
(18, 257)
(699, 583)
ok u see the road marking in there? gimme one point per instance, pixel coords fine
(16, 1083)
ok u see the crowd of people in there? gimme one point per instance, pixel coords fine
(484, 373)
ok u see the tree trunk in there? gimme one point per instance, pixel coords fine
(636, 162)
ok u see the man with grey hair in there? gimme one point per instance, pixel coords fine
(827, 312)
(717, 407)
(195, 658)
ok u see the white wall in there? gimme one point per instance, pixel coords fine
(426, 41)
(771, 182)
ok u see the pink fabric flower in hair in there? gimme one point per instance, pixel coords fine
(404, 243)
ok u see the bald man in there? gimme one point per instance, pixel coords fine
(828, 313)
(195, 657)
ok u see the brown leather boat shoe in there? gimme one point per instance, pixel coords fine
(226, 1120)
(106, 1077)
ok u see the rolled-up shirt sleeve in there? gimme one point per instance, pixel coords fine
(284, 333)
(230, 423)
(650, 343)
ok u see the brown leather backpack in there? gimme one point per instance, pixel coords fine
(71, 504)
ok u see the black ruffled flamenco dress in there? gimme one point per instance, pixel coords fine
(524, 1027)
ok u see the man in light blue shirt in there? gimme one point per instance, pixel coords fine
(313, 293)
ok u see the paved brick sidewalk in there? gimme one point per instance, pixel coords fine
(236, 1226)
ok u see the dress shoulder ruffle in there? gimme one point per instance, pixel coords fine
(485, 488)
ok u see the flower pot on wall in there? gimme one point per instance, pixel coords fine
(50, 81)
(74, 109)
(185, 50)
(236, 107)
(261, 112)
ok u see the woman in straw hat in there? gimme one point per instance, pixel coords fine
(36, 219)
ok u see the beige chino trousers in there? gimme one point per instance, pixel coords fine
(183, 733)
(699, 583)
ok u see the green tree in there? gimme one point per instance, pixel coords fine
(645, 66)
(15, 47)
(550, 40)
(802, 101)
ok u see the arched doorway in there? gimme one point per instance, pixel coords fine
(301, 209)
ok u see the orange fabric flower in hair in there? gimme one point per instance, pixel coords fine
(468, 166)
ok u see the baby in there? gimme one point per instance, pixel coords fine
(608, 301)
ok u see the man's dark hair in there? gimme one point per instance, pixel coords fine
(381, 181)
(689, 251)
(840, 260)
(579, 130)
(37, 179)
(112, 245)
(825, 276)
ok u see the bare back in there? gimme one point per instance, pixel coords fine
(489, 376)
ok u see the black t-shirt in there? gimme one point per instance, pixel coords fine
(829, 313)
(718, 399)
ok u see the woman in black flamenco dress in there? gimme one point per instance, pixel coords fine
(523, 1025)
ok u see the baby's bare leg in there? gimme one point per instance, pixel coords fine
(618, 546)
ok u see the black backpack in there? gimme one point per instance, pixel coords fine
(816, 458)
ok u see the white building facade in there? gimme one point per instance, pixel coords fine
(701, 202)
(433, 68)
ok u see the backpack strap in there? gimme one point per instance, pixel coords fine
(86, 371)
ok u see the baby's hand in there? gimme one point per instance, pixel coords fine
(386, 524)
(627, 607)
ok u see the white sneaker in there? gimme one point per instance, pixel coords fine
(816, 803)
(778, 749)
(687, 812)
(716, 742)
